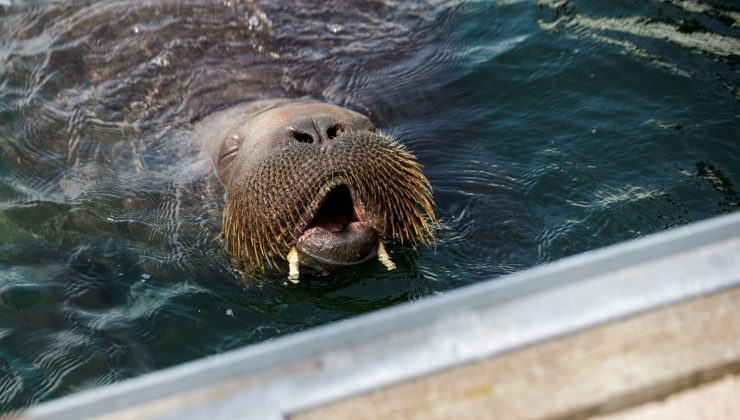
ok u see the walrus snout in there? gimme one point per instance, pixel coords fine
(339, 233)
(314, 183)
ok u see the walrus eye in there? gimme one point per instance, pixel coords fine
(229, 149)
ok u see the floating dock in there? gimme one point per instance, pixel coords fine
(649, 328)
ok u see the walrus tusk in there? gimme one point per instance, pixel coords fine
(293, 261)
(385, 258)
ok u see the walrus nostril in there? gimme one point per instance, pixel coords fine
(335, 131)
(301, 136)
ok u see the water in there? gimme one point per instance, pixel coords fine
(546, 129)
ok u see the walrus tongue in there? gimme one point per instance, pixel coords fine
(333, 222)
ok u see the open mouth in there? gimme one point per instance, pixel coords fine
(336, 212)
(338, 233)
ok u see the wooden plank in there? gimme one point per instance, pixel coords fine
(596, 371)
(718, 400)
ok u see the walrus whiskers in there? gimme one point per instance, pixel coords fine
(262, 222)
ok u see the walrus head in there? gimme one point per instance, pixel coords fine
(316, 179)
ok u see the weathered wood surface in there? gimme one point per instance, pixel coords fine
(718, 400)
(601, 370)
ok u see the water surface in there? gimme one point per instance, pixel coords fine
(546, 129)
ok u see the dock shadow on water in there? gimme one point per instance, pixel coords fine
(545, 128)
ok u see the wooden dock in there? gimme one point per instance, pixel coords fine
(680, 361)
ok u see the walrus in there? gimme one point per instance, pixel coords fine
(313, 183)
(133, 125)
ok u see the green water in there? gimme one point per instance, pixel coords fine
(546, 129)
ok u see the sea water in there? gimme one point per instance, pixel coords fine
(546, 128)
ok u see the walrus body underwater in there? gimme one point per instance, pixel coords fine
(111, 112)
(135, 105)
(312, 182)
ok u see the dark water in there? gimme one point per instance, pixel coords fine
(546, 129)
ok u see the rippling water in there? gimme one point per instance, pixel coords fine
(546, 129)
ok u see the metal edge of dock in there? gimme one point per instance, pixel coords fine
(298, 372)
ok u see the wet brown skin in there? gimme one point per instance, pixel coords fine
(315, 176)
